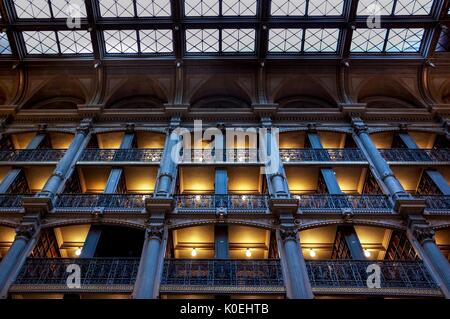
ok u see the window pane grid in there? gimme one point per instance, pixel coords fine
(307, 7)
(41, 42)
(394, 7)
(215, 8)
(40, 9)
(120, 41)
(4, 44)
(306, 41)
(138, 41)
(75, 42)
(220, 41)
(156, 41)
(393, 40)
(59, 42)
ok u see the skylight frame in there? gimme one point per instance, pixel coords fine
(307, 8)
(397, 8)
(219, 8)
(134, 9)
(42, 10)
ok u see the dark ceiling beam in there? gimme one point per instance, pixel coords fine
(347, 32)
(178, 29)
(17, 46)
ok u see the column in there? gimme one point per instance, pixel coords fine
(168, 166)
(90, 244)
(328, 174)
(13, 173)
(221, 231)
(436, 177)
(273, 164)
(116, 172)
(352, 241)
(380, 164)
(11, 263)
(425, 236)
(59, 174)
(146, 279)
(299, 285)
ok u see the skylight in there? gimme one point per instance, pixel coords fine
(394, 7)
(60, 42)
(214, 8)
(307, 7)
(215, 40)
(4, 44)
(141, 41)
(395, 40)
(134, 8)
(40, 9)
(299, 40)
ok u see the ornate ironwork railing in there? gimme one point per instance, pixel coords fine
(251, 203)
(92, 201)
(147, 155)
(214, 156)
(11, 200)
(33, 155)
(94, 271)
(416, 155)
(321, 155)
(354, 274)
(219, 272)
(362, 203)
(436, 203)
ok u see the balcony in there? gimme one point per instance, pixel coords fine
(212, 156)
(418, 156)
(133, 203)
(97, 275)
(32, 156)
(436, 204)
(232, 203)
(300, 155)
(222, 276)
(336, 203)
(11, 202)
(398, 278)
(115, 156)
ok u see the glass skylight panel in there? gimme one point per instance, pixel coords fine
(201, 8)
(377, 7)
(285, 40)
(321, 40)
(29, 9)
(238, 40)
(156, 41)
(404, 40)
(68, 8)
(239, 7)
(40, 42)
(413, 7)
(368, 40)
(116, 8)
(153, 8)
(288, 7)
(75, 42)
(202, 40)
(443, 44)
(4, 44)
(325, 7)
(120, 41)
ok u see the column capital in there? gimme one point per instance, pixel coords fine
(154, 232)
(423, 233)
(25, 231)
(41, 128)
(359, 126)
(85, 126)
(289, 233)
(129, 128)
(311, 128)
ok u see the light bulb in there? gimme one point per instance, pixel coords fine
(312, 253)
(367, 253)
(193, 252)
(248, 253)
(198, 198)
(244, 197)
(78, 252)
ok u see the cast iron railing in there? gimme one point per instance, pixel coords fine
(11, 200)
(359, 203)
(416, 155)
(214, 156)
(321, 155)
(219, 272)
(251, 203)
(436, 203)
(94, 271)
(33, 155)
(147, 155)
(351, 273)
(91, 201)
